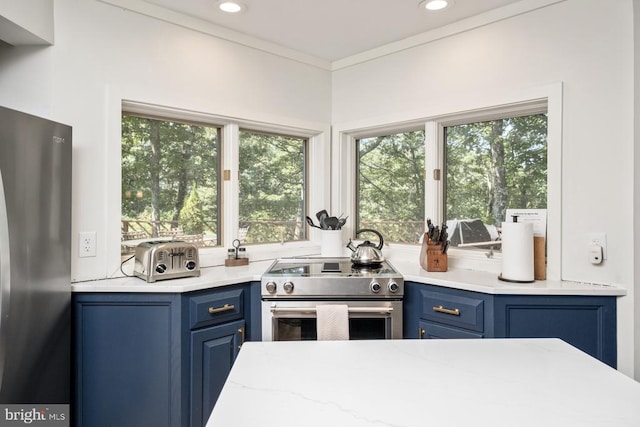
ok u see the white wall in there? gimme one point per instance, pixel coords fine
(26, 22)
(581, 43)
(636, 187)
(104, 54)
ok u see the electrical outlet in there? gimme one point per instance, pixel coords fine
(87, 244)
(599, 239)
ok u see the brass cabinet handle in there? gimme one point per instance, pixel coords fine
(441, 309)
(421, 333)
(241, 332)
(225, 307)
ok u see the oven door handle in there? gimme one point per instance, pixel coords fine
(275, 309)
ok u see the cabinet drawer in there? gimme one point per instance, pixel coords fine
(212, 309)
(455, 310)
(430, 330)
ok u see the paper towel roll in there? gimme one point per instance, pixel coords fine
(517, 251)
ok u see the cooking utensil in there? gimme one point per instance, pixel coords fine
(342, 222)
(321, 215)
(310, 222)
(367, 253)
(331, 223)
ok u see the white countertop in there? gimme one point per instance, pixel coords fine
(470, 280)
(404, 383)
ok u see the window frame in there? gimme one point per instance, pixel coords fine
(386, 131)
(219, 151)
(318, 147)
(305, 177)
(438, 162)
(434, 119)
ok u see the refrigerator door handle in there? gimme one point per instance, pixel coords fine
(5, 277)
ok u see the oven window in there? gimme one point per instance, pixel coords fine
(300, 329)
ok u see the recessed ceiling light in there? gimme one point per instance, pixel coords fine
(231, 6)
(435, 4)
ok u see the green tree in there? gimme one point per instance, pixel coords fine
(272, 185)
(391, 184)
(495, 165)
(191, 216)
(161, 161)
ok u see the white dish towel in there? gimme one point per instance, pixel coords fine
(332, 322)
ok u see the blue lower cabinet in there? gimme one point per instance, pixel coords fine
(213, 351)
(439, 312)
(586, 322)
(430, 330)
(157, 359)
(127, 366)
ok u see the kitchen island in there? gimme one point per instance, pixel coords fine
(402, 383)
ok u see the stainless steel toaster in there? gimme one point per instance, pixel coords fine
(160, 260)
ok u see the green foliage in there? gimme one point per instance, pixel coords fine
(162, 162)
(272, 183)
(391, 182)
(495, 165)
(191, 215)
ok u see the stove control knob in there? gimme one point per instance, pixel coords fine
(161, 268)
(393, 286)
(375, 287)
(288, 287)
(271, 287)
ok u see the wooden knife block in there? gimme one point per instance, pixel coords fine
(436, 260)
(431, 256)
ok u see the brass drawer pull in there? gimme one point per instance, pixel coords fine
(225, 307)
(441, 309)
(241, 332)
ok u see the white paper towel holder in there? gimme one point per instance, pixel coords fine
(504, 279)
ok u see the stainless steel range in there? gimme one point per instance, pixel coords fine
(292, 288)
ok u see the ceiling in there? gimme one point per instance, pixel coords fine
(331, 29)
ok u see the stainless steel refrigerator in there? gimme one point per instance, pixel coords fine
(35, 259)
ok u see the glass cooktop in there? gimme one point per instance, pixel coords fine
(321, 266)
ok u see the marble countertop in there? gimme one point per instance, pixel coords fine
(471, 280)
(406, 383)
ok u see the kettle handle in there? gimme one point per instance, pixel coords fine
(374, 232)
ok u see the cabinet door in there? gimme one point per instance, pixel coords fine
(127, 361)
(429, 330)
(586, 322)
(213, 351)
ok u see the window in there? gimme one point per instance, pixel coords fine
(476, 167)
(390, 193)
(491, 166)
(272, 187)
(170, 181)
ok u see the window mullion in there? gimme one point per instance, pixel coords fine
(434, 159)
(231, 186)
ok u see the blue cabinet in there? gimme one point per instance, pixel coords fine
(127, 361)
(145, 359)
(439, 312)
(217, 330)
(213, 351)
(586, 322)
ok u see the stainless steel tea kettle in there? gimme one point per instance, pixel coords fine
(367, 253)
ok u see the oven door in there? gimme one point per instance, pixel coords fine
(287, 320)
